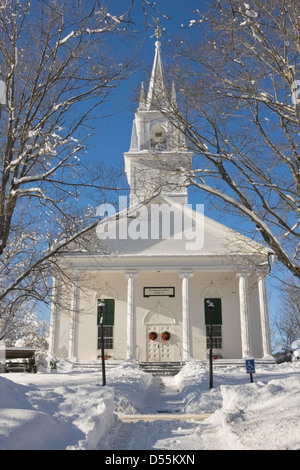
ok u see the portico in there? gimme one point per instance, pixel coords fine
(175, 302)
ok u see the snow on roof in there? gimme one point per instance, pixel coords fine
(163, 227)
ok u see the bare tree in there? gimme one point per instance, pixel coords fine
(237, 76)
(287, 322)
(56, 69)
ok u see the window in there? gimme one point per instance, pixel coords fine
(216, 323)
(108, 324)
(216, 336)
(107, 336)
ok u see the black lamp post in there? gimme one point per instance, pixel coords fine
(210, 308)
(101, 306)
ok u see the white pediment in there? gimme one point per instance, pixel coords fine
(140, 236)
(165, 227)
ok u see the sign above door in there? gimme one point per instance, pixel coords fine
(159, 291)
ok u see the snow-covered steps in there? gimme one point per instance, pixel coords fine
(161, 368)
(169, 368)
(165, 417)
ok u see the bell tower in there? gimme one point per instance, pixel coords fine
(158, 150)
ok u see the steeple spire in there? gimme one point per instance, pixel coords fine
(157, 93)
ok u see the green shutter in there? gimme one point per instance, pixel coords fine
(108, 313)
(216, 313)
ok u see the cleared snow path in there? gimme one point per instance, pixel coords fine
(160, 423)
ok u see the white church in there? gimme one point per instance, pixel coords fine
(157, 264)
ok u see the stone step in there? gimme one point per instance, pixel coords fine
(161, 368)
(155, 368)
(169, 368)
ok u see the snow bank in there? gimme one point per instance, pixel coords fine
(192, 382)
(23, 428)
(263, 415)
(94, 420)
(82, 414)
(131, 385)
(66, 409)
(32, 430)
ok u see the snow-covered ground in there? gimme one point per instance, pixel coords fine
(71, 409)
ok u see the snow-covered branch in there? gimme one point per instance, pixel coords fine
(241, 116)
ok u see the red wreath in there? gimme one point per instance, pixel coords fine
(165, 336)
(153, 335)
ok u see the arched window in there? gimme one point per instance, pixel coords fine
(158, 138)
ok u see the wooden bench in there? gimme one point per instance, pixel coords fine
(20, 359)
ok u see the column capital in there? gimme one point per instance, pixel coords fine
(243, 273)
(186, 274)
(131, 274)
(74, 275)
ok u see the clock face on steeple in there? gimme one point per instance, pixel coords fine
(158, 138)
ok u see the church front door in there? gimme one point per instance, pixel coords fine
(159, 343)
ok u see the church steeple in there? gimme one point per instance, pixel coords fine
(157, 97)
(158, 148)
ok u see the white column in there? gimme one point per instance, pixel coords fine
(73, 317)
(264, 317)
(186, 307)
(53, 318)
(244, 314)
(131, 349)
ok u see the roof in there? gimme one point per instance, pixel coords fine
(19, 353)
(165, 228)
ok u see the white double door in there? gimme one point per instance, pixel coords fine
(159, 348)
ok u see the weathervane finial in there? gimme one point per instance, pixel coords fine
(158, 29)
